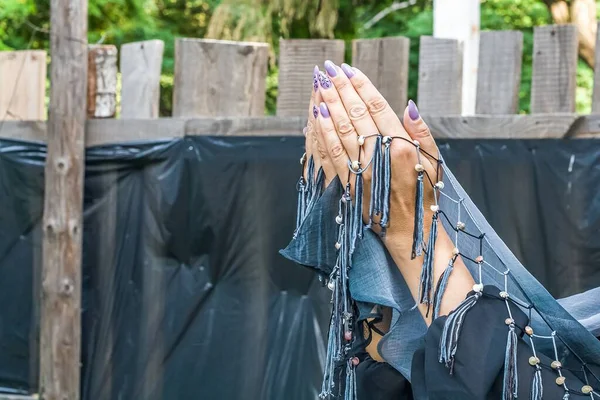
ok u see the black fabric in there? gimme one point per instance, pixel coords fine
(184, 294)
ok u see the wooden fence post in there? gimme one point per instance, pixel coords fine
(440, 76)
(23, 85)
(141, 64)
(102, 81)
(553, 83)
(596, 93)
(499, 72)
(219, 78)
(385, 61)
(297, 59)
(60, 337)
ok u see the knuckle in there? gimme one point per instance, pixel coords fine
(309, 127)
(359, 82)
(342, 85)
(401, 150)
(322, 152)
(357, 111)
(377, 105)
(337, 151)
(421, 131)
(345, 128)
(329, 100)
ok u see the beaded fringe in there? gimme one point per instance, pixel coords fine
(375, 207)
(426, 280)
(441, 288)
(386, 189)
(350, 392)
(537, 389)
(417, 246)
(510, 380)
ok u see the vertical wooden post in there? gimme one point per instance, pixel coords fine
(297, 59)
(385, 61)
(60, 337)
(460, 20)
(141, 64)
(219, 78)
(440, 76)
(553, 82)
(22, 85)
(596, 93)
(102, 81)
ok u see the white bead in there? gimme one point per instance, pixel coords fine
(339, 219)
(355, 165)
(416, 142)
(434, 207)
(478, 287)
(419, 168)
(338, 245)
(361, 140)
(504, 295)
(460, 225)
(455, 251)
(386, 139)
(302, 159)
(331, 285)
(440, 185)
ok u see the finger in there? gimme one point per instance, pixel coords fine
(355, 107)
(417, 129)
(335, 149)
(385, 118)
(319, 148)
(310, 125)
(344, 127)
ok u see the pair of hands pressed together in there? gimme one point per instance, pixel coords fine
(346, 106)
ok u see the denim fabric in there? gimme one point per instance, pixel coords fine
(375, 279)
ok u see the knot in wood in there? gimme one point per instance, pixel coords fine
(67, 287)
(61, 164)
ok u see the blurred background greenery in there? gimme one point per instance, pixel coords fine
(24, 24)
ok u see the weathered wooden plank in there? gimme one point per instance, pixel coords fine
(440, 76)
(19, 397)
(596, 93)
(287, 126)
(99, 132)
(499, 74)
(219, 78)
(60, 336)
(22, 85)
(297, 60)
(553, 82)
(141, 64)
(385, 61)
(102, 81)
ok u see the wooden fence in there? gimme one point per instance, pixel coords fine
(219, 89)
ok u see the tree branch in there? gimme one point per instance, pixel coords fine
(395, 6)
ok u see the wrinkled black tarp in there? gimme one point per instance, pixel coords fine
(184, 293)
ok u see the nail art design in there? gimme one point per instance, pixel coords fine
(348, 70)
(324, 110)
(330, 68)
(316, 78)
(413, 111)
(324, 81)
(315, 111)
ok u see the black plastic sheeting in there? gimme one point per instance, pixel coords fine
(184, 293)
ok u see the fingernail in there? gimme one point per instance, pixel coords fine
(315, 111)
(347, 70)
(316, 78)
(324, 110)
(330, 68)
(413, 111)
(324, 81)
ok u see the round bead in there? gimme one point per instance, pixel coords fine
(556, 364)
(560, 380)
(331, 285)
(416, 142)
(529, 330)
(460, 225)
(355, 165)
(386, 139)
(509, 321)
(533, 360)
(434, 207)
(419, 168)
(479, 259)
(344, 199)
(587, 389)
(303, 158)
(355, 361)
(361, 140)
(338, 245)
(478, 287)
(348, 336)
(455, 251)
(504, 295)
(339, 219)
(440, 185)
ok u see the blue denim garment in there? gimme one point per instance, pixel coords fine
(375, 279)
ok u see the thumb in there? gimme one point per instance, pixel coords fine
(417, 129)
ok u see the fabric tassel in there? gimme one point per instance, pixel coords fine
(426, 280)
(357, 209)
(537, 389)
(418, 228)
(375, 205)
(511, 379)
(350, 392)
(567, 395)
(317, 191)
(386, 189)
(451, 332)
(300, 206)
(441, 288)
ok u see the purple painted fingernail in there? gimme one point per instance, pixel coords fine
(330, 68)
(315, 111)
(348, 70)
(316, 78)
(413, 111)
(324, 110)
(324, 81)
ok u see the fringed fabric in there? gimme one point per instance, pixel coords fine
(418, 227)
(386, 188)
(426, 280)
(537, 389)
(441, 288)
(510, 380)
(350, 392)
(375, 207)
